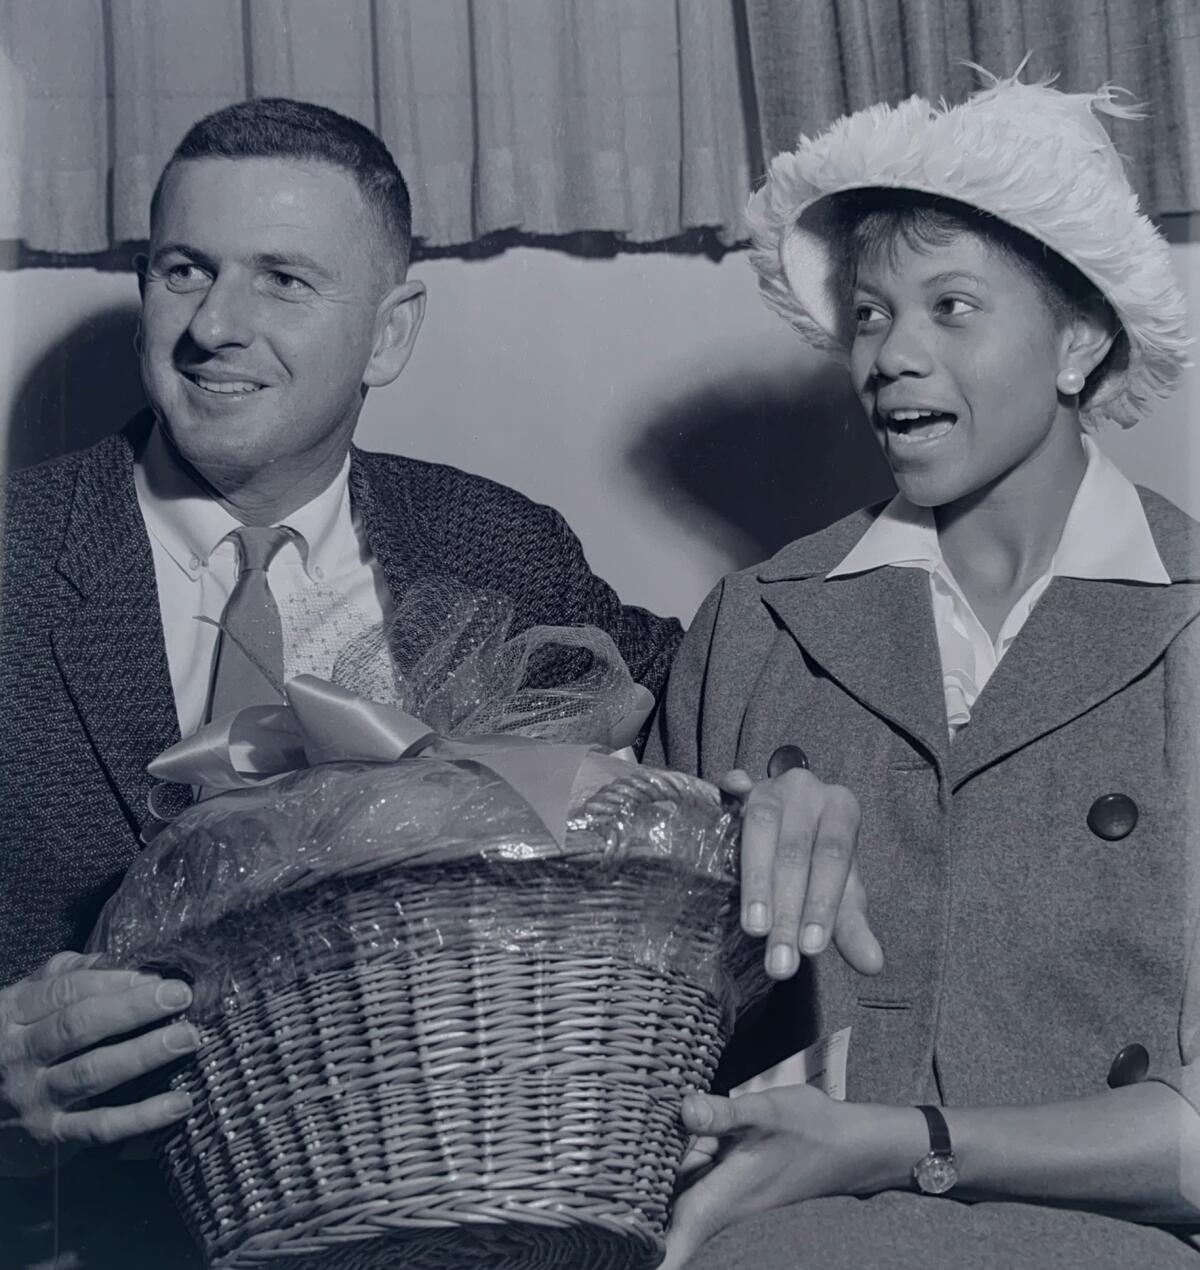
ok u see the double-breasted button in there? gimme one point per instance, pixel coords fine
(785, 758)
(1129, 1067)
(1112, 817)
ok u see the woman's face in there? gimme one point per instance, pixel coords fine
(955, 356)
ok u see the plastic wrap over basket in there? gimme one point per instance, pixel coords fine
(435, 1033)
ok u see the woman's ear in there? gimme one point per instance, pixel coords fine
(1087, 337)
(397, 321)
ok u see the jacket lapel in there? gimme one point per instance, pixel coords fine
(872, 632)
(110, 648)
(1083, 642)
(386, 520)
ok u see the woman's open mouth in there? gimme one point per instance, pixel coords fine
(917, 425)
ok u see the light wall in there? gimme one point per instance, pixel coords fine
(676, 423)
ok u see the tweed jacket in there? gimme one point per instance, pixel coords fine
(85, 691)
(1023, 951)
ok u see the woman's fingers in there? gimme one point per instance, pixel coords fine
(778, 825)
(852, 933)
(798, 823)
(714, 1198)
(700, 1154)
(831, 860)
(799, 838)
(695, 1217)
(762, 825)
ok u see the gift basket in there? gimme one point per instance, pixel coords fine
(454, 961)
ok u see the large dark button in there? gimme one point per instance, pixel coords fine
(1112, 817)
(785, 758)
(1129, 1067)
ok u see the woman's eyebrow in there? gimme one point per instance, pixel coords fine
(955, 275)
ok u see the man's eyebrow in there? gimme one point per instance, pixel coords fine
(261, 260)
(290, 260)
(181, 249)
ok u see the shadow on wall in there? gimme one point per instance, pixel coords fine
(765, 458)
(759, 458)
(84, 387)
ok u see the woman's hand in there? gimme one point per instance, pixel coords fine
(800, 883)
(782, 1146)
(1133, 1151)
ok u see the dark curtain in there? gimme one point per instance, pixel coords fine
(814, 60)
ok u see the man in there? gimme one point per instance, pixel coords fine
(275, 294)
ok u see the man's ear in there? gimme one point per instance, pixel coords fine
(396, 325)
(1088, 336)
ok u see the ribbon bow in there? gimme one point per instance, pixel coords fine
(323, 723)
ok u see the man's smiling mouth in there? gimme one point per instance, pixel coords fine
(223, 387)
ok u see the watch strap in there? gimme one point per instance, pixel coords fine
(939, 1130)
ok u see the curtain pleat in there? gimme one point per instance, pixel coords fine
(427, 112)
(172, 61)
(55, 133)
(815, 62)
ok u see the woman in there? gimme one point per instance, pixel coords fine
(1003, 664)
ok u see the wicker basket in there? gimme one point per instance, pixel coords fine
(402, 1102)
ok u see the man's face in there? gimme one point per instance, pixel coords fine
(263, 308)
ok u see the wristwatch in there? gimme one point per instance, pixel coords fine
(936, 1172)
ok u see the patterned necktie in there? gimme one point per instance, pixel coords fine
(249, 663)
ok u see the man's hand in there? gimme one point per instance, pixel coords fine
(782, 1146)
(800, 883)
(64, 1038)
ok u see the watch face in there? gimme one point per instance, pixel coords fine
(936, 1174)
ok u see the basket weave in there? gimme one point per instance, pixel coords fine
(412, 1101)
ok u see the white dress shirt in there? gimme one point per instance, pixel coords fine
(1106, 536)
(331, 594)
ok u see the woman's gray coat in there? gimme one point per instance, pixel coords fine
(1023, 950)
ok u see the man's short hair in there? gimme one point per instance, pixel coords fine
(279, 128)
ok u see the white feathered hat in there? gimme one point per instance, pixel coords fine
(1026, 153)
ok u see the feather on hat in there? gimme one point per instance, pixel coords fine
(1026, 153)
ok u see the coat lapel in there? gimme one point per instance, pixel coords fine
(386, 520)
(872, 632)
(110, 648)
(1083, 642)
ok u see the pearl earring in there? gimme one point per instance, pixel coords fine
(1070, 381)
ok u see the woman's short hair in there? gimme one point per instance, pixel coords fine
(874, 223)
(279, 128)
